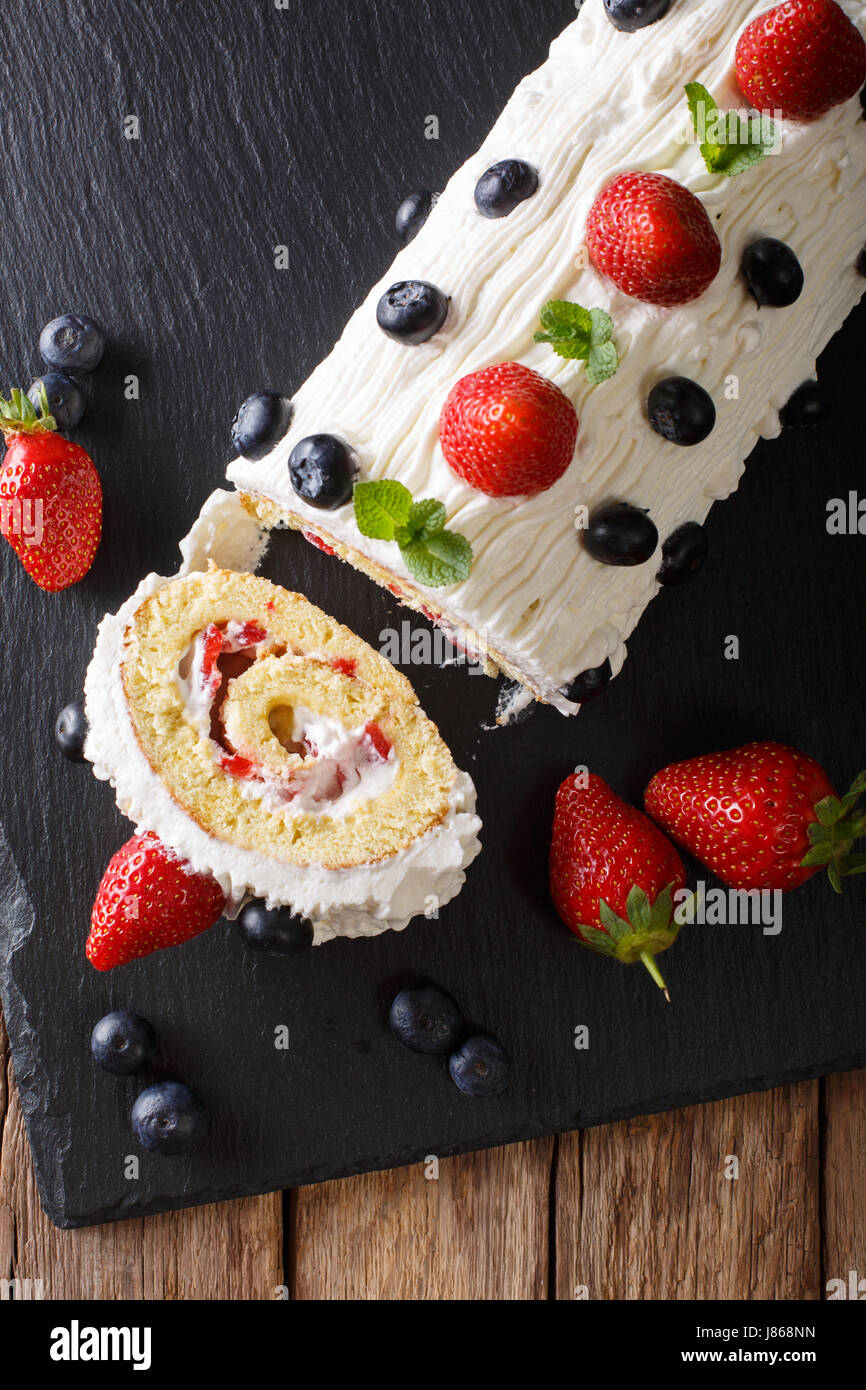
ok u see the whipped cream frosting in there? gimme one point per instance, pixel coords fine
(604, 102)
(361, 901)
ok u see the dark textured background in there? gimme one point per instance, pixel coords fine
(306, 127)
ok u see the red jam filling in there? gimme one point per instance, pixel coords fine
(377, 741)
(225, 657)
(318, 542)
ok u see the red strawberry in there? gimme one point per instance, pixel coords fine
(613, 874)
(653, 238)
(50, 496)
(801, 58)
(149, 898)
(508, 431)
(761, 816)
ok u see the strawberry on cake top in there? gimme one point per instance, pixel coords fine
(525, 424)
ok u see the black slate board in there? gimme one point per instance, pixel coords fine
(305, 127)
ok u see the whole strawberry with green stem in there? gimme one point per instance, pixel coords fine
(613, 874)
(50, 495)
(763, 816)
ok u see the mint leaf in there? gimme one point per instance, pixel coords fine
(567, 327)
(582, 335)
(570, 348)
(602, 363)
(602, 327)
(730, 143)
(386, 511)
(381, 507)
(450, 548)
(562, 319)
(444, 558)
(704, 113)
(426, 518)
(746, 157)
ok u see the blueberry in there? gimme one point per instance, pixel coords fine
(72, 343)
(412, 214)
(426, 1019)
(65, 399)
(808, 406)
(772, 272)
(480, 1067)
(323, 470)
(683, 554)
(499, 191)
(681, 411)
(70, 731)
(169, 1118)
(277, 931)
(620, 534)
(631, 15)
(861, 262)
(123, 1043)
(412, 311)
(590, 684)
(260, 423)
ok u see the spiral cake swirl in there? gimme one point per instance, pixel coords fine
(273, 748)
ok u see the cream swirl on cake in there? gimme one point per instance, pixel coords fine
(604, 103)
(271, 747)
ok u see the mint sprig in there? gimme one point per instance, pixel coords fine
(732, 143)
(584, 335)
(386, 511)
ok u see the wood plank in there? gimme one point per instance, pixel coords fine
(479, 1231)
(644, 1210)
(233, 1250)
(843, 1179)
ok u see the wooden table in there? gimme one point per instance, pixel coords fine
(645, 1209)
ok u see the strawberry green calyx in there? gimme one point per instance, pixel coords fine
(840, 822)
(647, 929)
(18, 414)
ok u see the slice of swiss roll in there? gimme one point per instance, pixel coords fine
(271, 747)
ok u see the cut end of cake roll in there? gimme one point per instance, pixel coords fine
(270, 746)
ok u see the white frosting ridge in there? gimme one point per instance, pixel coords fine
(603, 103)
(361, 901)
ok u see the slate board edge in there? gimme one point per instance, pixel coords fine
(128, 1211)
(64, 1219)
